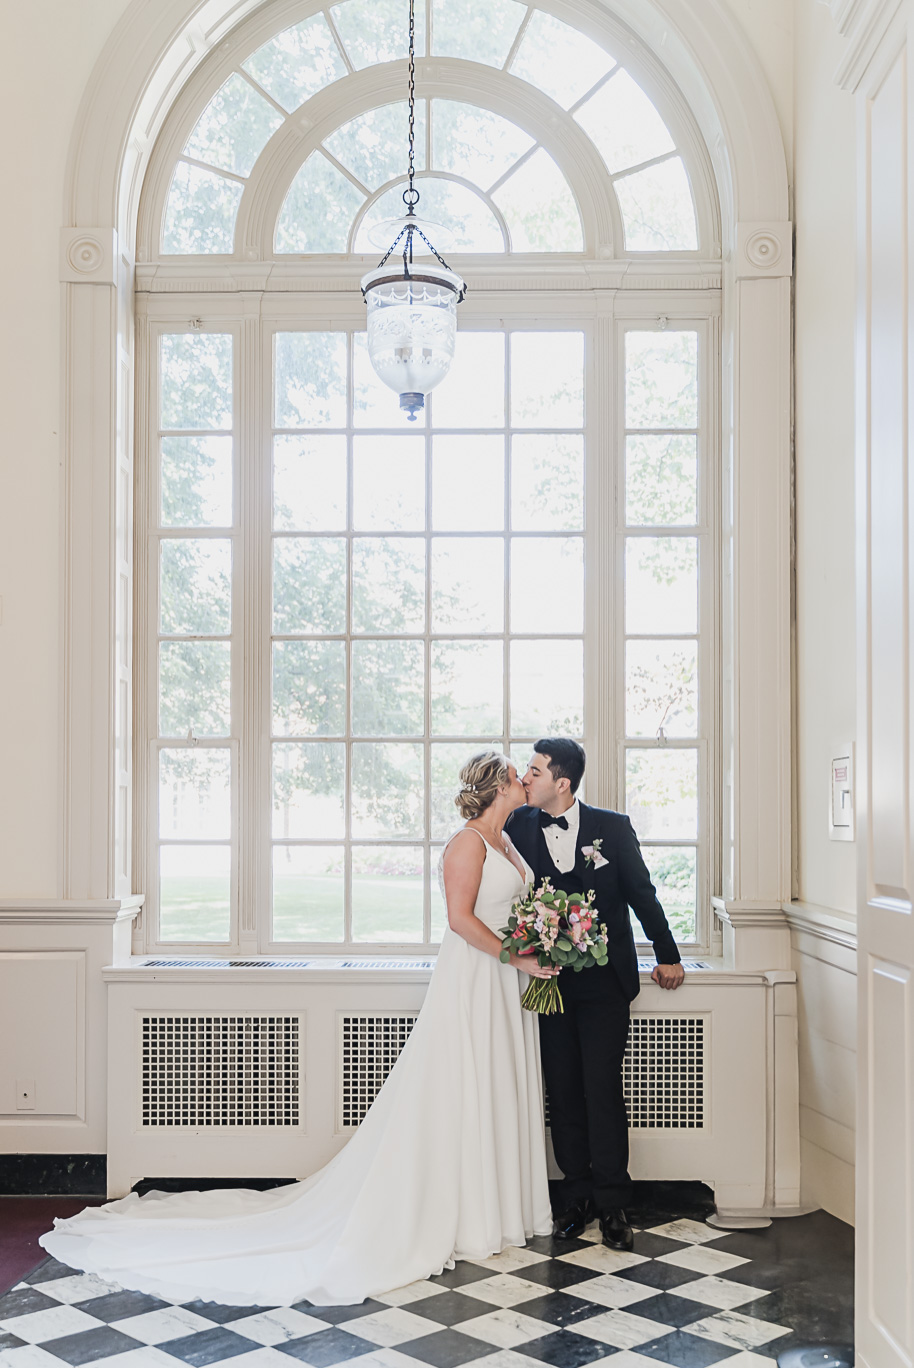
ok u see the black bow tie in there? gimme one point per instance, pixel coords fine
(546, 820)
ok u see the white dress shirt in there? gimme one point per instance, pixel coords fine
(562, 845)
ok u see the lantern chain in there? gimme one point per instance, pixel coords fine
(411, 195)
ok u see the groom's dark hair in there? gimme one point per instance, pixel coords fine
(566, 758)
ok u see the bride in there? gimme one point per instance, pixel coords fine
(448, 1164)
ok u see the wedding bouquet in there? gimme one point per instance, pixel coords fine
(559, 929)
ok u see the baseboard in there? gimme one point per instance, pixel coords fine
(53, 1175)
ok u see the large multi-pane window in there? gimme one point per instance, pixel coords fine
(338, 607)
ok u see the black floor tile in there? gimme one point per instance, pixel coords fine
(673, 1311)
(816, 1310)
(446, 1349)
(652, 1246)
(448, 1308)
(208, 1346)
(659, 1275)
(115, 1306)
(214, 1311)
(327, 1347)
(558, 1309)
(89, 1345)
(9, 1341)
(565, 1349)
(545, 1244)
(48, 1271)
(556, 1274)
(461, 1275)
(686, 1351)
(23, 1301)
(336, 1315)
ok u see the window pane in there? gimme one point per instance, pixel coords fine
(447, 760)
(673, 874)
(388, 795)
(661, 688)
(623, 124)
(309, 584)
(309, 688)
(468, 576)
(387, 893)
(195, 688)
(196, 586)
(388, 688)
(374, 31)
(547, 688)
(661, 585)
(297, 62)
(661, 480)
(309, 483)
(310, 379)
(195, 475)
(195, 794)
(468, 484)
(477, 30)
(547, 379)
(195, 380)
(466, 687)
(388, 483)
(547, 482)
(547, 584)
(657, 210)
(474, 143)
(661, 379)
(318, 210)
(200, 213)
(374, 404)
(371, 145)
(308, 784)
(473, 226)
(473, 395)
(195, 893)
(540, 208)
(661, 793)
(388, 584)
(234, 128)
(308, 893)
(559, 60)
(438, 908)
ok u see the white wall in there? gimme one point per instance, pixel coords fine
(825, 214)
(56, 45)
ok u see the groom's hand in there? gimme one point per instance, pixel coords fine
(668, 975)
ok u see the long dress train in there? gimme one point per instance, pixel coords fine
(449, 1163)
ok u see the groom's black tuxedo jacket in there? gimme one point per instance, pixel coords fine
(622, 883)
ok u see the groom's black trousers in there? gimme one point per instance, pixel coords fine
(582, 1051)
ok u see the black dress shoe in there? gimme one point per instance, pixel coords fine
(616, 1231)
(573, 1220)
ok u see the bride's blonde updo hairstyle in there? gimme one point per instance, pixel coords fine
(480, 779)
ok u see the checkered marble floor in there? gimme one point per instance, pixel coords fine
(688, 1295)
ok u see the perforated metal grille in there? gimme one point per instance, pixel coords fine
(220, 1071)
(370, 1046)
(664, 1072)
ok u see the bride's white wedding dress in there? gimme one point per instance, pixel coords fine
(448, 1164)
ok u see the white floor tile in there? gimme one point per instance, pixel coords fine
(79, 1288)
(505, 1328)
(266, 1357)
(691, 1232)
(275, 1327)
(503, 1290)
(703, 1259)
(736, 1330)
(510, 1259)
(155, 1327)
(630, 1358)
(39, 1326)
(389, 1328)
(28, 1356)
(146, 1357)
(610, 1291)
(509, 1358)
(623, 1329)
(603, 1260)
(746, 1359)
(385, 1358)
(402, 1296)
(718, 1292)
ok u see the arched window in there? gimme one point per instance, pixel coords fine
(339, 607)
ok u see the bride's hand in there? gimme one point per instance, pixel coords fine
(528, 965)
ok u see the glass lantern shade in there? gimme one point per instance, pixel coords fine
(412, 324)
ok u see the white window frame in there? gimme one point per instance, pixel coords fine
(602, 316)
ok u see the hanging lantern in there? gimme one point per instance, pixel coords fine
(412, 310)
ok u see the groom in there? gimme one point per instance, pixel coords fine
(583, 1048)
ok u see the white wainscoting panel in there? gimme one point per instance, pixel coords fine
(42, 1027)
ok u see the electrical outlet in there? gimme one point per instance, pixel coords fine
(25, 1094)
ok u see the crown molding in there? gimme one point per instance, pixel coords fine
(864, 23)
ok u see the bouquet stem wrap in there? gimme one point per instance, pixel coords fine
(558, 928)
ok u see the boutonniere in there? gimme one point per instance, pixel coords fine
(592, 854)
